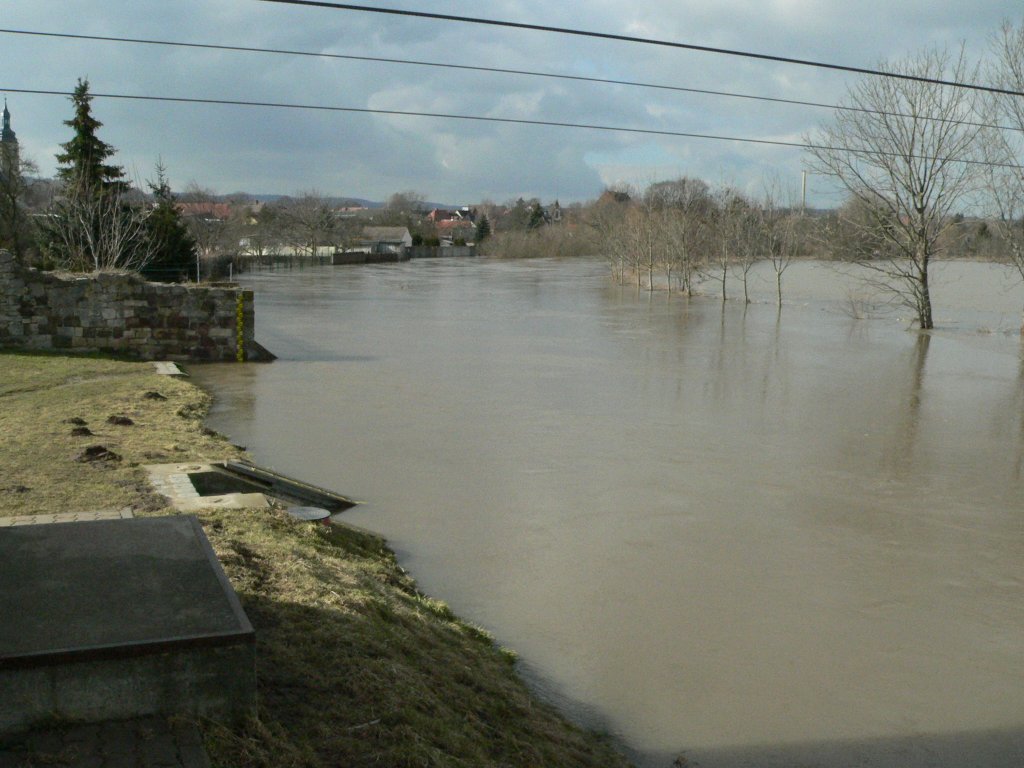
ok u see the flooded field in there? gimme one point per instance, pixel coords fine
(748, 536)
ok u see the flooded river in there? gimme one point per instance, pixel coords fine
(717, 530)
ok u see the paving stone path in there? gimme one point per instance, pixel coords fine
(67, 517)
(143, 743)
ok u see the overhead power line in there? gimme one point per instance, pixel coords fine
(497, 70)
(504, 120)
(643, 41)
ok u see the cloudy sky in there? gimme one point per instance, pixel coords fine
(284, 151)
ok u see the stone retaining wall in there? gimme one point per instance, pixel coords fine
(124, 314)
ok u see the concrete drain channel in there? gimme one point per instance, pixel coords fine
(241, 484)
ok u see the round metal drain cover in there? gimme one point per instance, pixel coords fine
(309, 513)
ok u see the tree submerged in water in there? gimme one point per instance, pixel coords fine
(906, 149)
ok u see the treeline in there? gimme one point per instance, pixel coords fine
(678, 234)
(91, 218)
(687, 231)
(915, 150)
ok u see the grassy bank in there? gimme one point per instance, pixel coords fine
(355, 666)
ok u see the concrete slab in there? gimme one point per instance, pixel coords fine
(172, 481)
(115, 619)
(232, 484)
(167, 368)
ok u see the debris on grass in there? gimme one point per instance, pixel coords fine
(95, 453)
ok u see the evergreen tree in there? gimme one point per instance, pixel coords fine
(91, 226)
(173, 247)
(483, 229)
(537, 216)
(83, 161)
(518, 215)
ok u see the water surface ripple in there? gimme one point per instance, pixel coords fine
(758, 538)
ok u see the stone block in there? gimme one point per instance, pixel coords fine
(116, 619)
(177, 321)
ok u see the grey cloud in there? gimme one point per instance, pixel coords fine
(283, 150)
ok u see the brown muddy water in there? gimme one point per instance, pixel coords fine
(747, 537)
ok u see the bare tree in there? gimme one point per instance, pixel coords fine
(606, 223)
(1005, 148)
(211, 232)
(902, 154)
(781, 232)
(90, 231)
(744, 225)
(16, 184)
(686, 204)
(407, 202)
(728, 246)
(312, 223)
(403, 209)
(644, 234)
(261, 241)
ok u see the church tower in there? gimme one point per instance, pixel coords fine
(7, 135)
(8, 141)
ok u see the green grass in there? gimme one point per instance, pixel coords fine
(355, 666)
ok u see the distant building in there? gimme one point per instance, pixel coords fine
(8, 143)
(7, 135)
(206, 210)
(465, 213)
(450, 230)
(384, 240)
(350, 211)
(439, 214)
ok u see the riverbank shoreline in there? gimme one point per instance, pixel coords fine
(355, 665)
